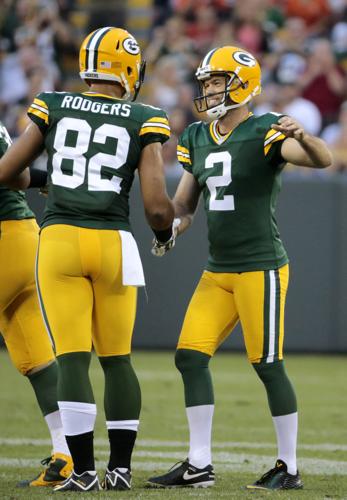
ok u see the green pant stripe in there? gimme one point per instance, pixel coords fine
(42, 307)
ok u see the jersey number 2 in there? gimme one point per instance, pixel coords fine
(227, 202)
(76, 155)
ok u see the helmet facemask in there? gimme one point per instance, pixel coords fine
(139, 82)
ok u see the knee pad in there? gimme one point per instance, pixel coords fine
(188, 359)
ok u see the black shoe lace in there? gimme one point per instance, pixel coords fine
(46, 461)
(177, 464)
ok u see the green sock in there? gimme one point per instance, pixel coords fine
(193, 365)
(122, 399)
(73, 377)
(280, 392)
(44, 383)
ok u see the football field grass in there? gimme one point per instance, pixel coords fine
(243, 436)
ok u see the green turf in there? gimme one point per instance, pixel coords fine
(243, 436)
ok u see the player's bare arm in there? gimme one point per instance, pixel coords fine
(186, 201)
(158, 206)
(301, 148)
(13, 165)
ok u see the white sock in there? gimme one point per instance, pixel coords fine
(200, 429)
(77, 418)
(287, 430)
(56, 430)
(131, 425)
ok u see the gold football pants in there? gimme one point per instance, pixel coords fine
(79, 276)
(21, 323)
(256, 299)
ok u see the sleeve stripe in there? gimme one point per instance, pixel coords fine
(185, 155)
(182, 149)
(40, 103)
(155, 130)
(40, 108)
(39, 114)
(183, 159)
(158, 119)
(148, 124)
(272, 137)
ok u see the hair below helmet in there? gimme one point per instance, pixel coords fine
(242, 79)
(112, 54)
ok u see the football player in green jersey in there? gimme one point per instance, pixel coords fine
(21, 322)
(88, 267)
(235, 162)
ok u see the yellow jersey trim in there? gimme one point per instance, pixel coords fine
(219, 138)
(182, 149)
(162, 129)
(39, 114)
(271, 137)
(41, 103)
(183, 159)
(158, 119)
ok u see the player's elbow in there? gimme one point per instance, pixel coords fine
(327, 160)
(160, 216)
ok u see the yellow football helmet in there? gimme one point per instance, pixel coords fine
(242, 79)
(114, 55)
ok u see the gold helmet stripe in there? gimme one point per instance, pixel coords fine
(92, 48)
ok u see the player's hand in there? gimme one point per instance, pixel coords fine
(290, 128)
(160, 248)
(44, 191)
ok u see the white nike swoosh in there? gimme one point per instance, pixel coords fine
(187, 476)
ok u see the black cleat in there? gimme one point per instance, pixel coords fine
(117, 480)
(278, 479)
(184, 474)
(88, 481)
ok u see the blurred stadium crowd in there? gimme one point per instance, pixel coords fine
(300, 44)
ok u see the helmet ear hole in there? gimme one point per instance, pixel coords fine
(117, 46)
(129, 70)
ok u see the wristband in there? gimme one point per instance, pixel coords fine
(164, 235)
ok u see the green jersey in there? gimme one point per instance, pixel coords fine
(94, 144)
(239, 176)
(13, 205)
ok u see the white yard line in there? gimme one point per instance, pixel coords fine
(224, 462)
(157, 443)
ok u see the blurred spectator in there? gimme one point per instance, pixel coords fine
(338, 143)
(339, 43)
(250, 20)
(170, 39)
(324, 82)
(332, 132)
(225, 34)
(33, 40)
(292, 37)
(315, 13)
(203, 28)
(167, 89)
(284, 96)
